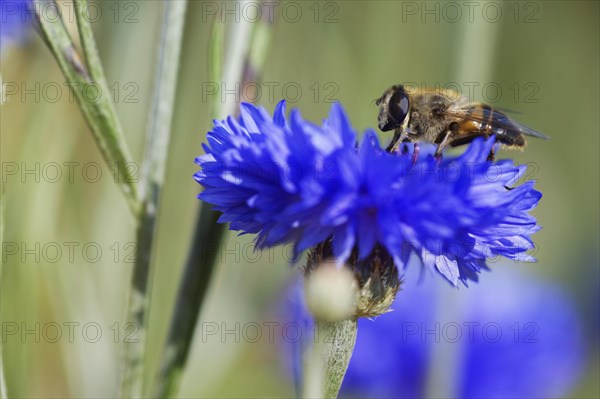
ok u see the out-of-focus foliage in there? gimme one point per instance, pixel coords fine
(522, 339)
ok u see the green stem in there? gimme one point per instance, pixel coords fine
(337, 355)
(199, 264)
(215, 60)
(91, 91)
(3, 390)
(329, 359)
(244, 59)
(88, 44)
(153, 171)
(192, 290)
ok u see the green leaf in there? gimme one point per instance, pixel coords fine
(98, 111)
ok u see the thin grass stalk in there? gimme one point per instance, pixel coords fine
(199, 264)
(152, 179)
(3, 389)
(244, 61)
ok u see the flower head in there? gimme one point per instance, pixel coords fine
(290, 181)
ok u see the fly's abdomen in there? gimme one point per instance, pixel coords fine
(486, 121)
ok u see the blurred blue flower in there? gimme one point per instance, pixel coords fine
(15, 18)
(523, 339)
(291, 181)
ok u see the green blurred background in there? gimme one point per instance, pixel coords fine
(543, 56)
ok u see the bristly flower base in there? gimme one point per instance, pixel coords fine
(376, 275)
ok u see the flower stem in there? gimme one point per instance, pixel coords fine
(99, 112)
(153, 170)
(243, 62)
(3, 392)
(329, 359)
(199, 264)
(193, 287)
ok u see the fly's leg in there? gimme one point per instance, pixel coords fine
(452, 129)
(394, 145)
(415, 154)
(444, 143)
(492, 155)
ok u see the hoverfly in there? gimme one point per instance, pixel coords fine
(446, 118)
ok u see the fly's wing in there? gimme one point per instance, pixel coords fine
(486, 115)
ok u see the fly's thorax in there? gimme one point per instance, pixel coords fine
(428, 116)
(426, 125)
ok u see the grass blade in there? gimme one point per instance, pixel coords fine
(153, 170)
(244, 61)
(3, 389)
(98, 111)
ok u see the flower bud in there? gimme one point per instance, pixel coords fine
(375, 279)
(331, 292)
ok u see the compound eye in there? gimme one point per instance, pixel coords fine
(398, 107)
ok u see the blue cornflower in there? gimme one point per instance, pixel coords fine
(291, 181)
(15, 18)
